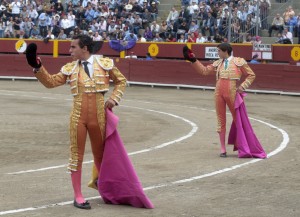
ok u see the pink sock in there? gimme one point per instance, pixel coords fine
(222, 141)
(76, 182)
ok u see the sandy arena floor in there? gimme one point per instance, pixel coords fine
(180, 170)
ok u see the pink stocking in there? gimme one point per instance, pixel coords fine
(222, 141)
(76, 182)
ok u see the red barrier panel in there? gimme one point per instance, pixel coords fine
(277, 77)
(280, 53)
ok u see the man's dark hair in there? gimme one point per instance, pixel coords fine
(225, 47)
(84, 40)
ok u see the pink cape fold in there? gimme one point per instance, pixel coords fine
(118, 182)
(241, 133)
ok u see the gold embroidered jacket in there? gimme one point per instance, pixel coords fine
(104, 70)
(236, 67)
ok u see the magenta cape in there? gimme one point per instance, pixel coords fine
(241, 133)
(118, 182)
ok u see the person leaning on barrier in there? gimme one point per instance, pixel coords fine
(88, 76)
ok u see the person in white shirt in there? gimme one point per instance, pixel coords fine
(33, 14)
(97, 37)
(65, 25)
(287, 35)
(173, 15)
(15, 8)
(71, 18)
(200, 38)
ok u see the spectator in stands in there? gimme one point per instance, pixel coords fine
(15, 8)
(193, 7)
(210, 39)
(137, 24)
(83, 26)
(130, 37)
(16, 26)
(59, 8)
(61, 35)
(297, 31)
(184, 14)
(264, 13)
(286, 34)
(287, 14)
(35, 33)
(191, 38)
(163, 33)
(194, 28)
(43, 23)
(148, 56)
(97, 37)
(26, 26)
(208, 25)
(255, 59)
(292, 23)
(202, 16)
(24, 12)
(141, 38)
(146, 18)
(2, 27)
(33, 14)
(257, 40)
(148, 34)
(200, 38)
(9, 31)
(89, 13)
(171, 38)
(183, 28)
(153, 10)
(157, 38)
(154, 27)
(181, 39)
(173, 15)
(277, 24)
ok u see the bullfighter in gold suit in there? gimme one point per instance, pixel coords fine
(228, 71)
(89, 77)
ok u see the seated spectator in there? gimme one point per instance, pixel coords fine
(141, 38)
(292, 23)
(191, 38)
(157, 38)
(287, 35)
(153, 10)
(130, 37)
(163, 30)
(62, 35)
(181, 39)
(148, 56)
(255, 59)
(148, 34)
(173, 15)
(97, 37)
(154, 27)
(277, 24)
(171, 38)
(146, 18)
(35, 33)
(208, 25)
(200, 38)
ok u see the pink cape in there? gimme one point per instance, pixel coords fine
(118, 182)
(241, 133)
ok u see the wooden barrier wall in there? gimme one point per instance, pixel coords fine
(281, 53)
(277, 77)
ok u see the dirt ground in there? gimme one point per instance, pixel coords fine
(179, 164)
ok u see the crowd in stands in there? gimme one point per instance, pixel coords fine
(197, 21)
